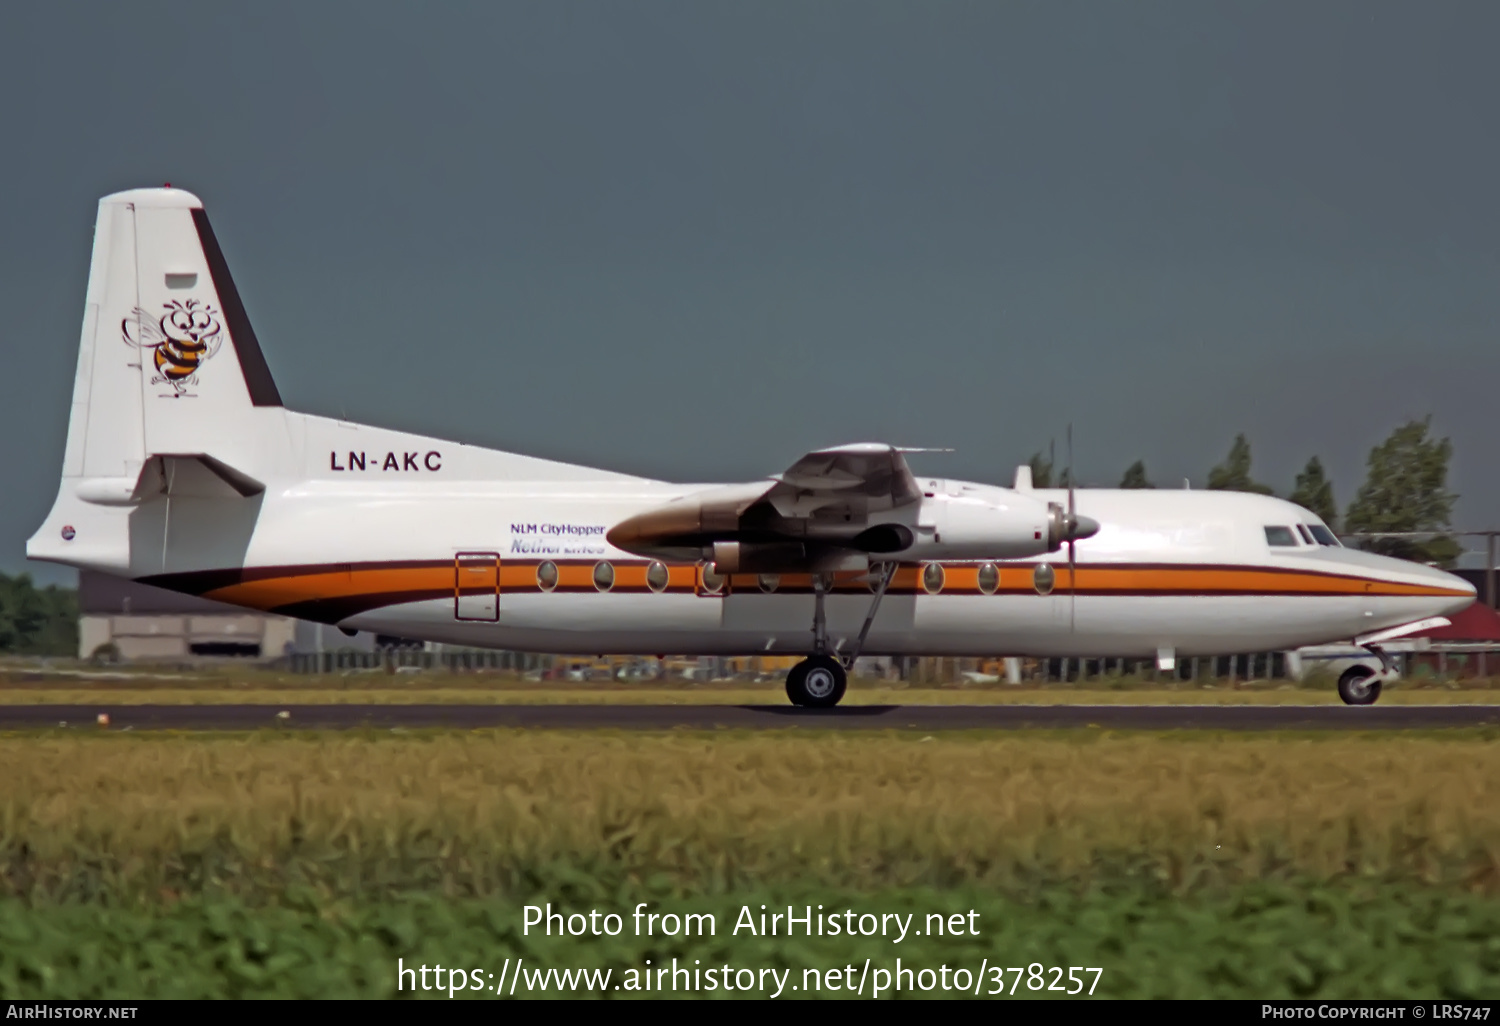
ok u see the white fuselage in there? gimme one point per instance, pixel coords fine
(1189, 572)
(1182, 571)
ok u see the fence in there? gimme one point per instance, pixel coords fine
(909, 669)
(463, 661)
(1251, 666)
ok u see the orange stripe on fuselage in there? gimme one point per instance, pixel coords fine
(1217, 580)
(293, 586)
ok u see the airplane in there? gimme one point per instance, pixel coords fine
(184, 470)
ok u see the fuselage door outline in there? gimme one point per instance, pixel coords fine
(476, 587)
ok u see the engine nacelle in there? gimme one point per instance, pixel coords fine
(1009, 526)
(732, 557)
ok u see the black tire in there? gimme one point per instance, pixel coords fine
(794, 680)
(1359, 685)
(817, 682)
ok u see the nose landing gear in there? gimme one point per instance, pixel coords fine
(1358, 686)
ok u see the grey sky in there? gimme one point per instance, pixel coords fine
(693, 240)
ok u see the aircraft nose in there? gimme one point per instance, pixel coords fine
(1459, 604)
(1427, 590)
(1460, 593)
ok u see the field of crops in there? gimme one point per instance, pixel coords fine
(475, 813)
(1189, 864)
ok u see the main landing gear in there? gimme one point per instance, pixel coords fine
(819, 681)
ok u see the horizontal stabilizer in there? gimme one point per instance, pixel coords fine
(241, 483)
(174, 474)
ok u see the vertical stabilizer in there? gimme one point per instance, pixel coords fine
(168, 362)
(168, 365)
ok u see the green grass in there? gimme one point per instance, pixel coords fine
(1260, 940)
(1183, 865)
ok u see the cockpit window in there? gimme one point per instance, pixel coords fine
(1302, 530)
(1323, 535)
(1280, 536)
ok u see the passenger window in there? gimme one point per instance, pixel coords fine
(604, 576)
(1043, 579)
(1302, 530)
(989, 578)
(546, 575)
(1280, 537)
(713, 581)
(769, 582)
(657, 576)
(1324, 536)
(932, 578)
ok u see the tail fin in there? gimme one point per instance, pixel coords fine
(167, 353)
(168, 364)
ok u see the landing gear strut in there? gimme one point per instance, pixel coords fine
(819, 681)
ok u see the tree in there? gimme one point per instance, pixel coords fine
(1233, 475)
(1314, 492)
(1135, 476)
(1405, 490)
(37, 622)
(1041, 470)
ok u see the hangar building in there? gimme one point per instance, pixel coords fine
(146, 623)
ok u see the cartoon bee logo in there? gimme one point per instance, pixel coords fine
(181, 339)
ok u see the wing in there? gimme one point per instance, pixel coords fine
(798, 520)
(150, 332)
(849, 481)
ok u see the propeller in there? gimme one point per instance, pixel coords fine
(1072, 532)
(1075, 529)
(1071, 528)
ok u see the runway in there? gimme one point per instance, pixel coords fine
(746, 717)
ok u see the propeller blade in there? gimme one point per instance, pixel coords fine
(1070, 472)
(1072, 530)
